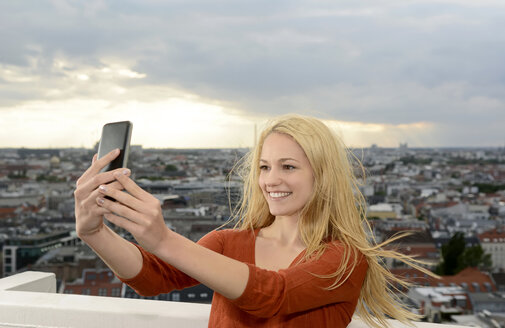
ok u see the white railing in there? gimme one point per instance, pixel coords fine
(29, 300)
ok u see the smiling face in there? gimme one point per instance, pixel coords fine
(286, 178)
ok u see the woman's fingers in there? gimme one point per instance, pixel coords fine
(121, 196)
(97, 165)
(102, 178)
(130, 186)
(121, 222)
(115, 185)
(90, 204)
(120, 209)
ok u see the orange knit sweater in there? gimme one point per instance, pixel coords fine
(292, 297)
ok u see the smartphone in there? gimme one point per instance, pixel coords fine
(116, 135)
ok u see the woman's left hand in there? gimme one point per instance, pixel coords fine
(137, 211)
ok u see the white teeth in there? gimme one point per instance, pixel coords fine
(279, 194)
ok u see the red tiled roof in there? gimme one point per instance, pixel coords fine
(493, 234)
(468, 276)
(7, 211)
(419, 251)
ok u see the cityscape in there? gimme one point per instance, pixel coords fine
(451, 199)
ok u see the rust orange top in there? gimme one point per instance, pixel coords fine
(292, 297)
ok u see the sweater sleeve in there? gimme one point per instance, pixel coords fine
(299, 288)
(158, 277)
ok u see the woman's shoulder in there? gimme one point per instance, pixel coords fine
(229, 236)
(236, 234)
(336, 251)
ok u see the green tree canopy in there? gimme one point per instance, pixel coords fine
(474, 257)
(170, 168)
(456, 256)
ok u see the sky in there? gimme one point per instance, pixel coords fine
(208, 73)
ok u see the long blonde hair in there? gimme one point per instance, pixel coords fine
(335, 211)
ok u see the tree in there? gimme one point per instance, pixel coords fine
(170, 168)
(456, 256)
(450, 255)
(475, 257)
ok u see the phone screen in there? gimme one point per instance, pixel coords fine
(115, 135)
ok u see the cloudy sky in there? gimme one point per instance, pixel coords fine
(204, 73)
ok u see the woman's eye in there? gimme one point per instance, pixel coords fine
(263, 167)
(289, 167)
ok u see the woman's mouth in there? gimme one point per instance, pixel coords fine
(277, 195)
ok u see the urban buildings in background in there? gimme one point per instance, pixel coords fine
(435, 193)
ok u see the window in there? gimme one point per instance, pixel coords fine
(86, 291)
(116, 292)
(102, 292)
(176, 297)
(191, 295)
(8, 260)
(476, 287)
(204, 295)
(488, 287)
(68, 291)
(8, 251)
(464, 285)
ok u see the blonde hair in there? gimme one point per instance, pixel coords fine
(335, 211)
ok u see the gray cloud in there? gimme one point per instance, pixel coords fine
(396, 62)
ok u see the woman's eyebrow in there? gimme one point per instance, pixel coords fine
(281, 160)
(288, 159)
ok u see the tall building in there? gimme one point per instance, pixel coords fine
(493, 242)
(20, 252)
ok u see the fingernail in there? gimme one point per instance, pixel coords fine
(123, 172)
(100, 200)
(116, 151)
(103, 188)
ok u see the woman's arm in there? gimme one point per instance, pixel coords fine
(120, 255)
(140, 213)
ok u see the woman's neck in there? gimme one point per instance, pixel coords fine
(284, 230)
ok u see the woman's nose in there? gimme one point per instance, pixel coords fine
(273, 178)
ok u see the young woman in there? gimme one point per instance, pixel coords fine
(301, 253)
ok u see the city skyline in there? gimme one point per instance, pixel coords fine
(207, 74)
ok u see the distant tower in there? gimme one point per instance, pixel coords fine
(403, 148)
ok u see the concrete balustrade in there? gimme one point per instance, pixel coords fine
(29, 300)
